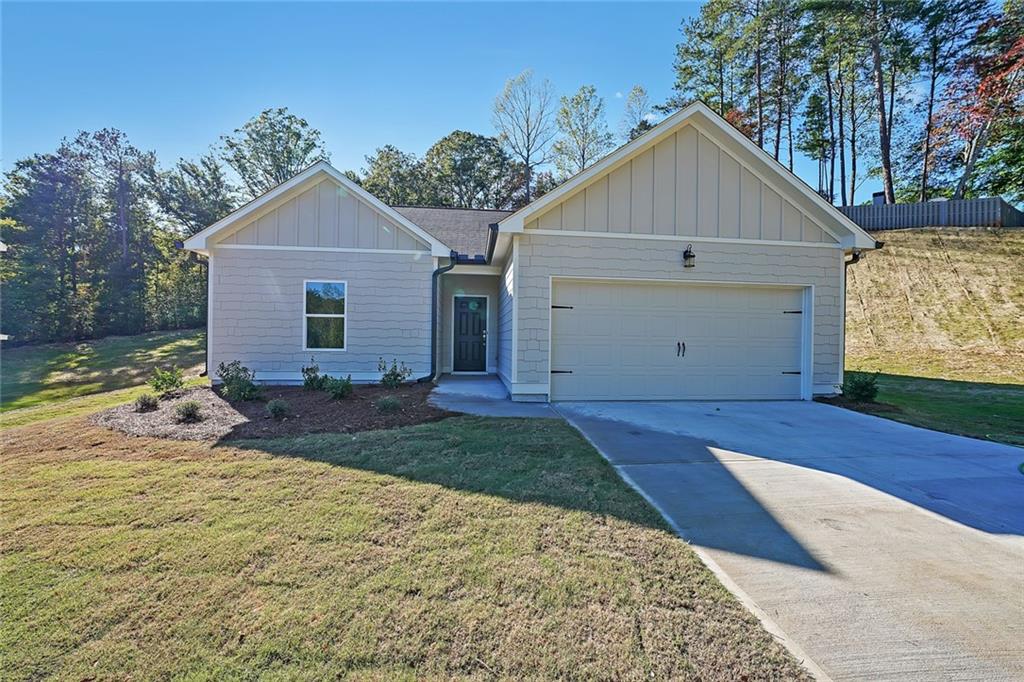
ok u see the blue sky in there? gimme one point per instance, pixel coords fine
(175, 76)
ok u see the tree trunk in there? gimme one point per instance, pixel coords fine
(842, 130)
(933, 57)
(853, 134)
(831, 137)
(789, 130)
(883, 120)
(974, 151)
(759, 96)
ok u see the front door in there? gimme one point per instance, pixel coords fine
(470, 334)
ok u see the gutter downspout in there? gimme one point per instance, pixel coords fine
(433, 316)
(492, 241)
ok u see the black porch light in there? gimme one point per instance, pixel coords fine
(689, 258)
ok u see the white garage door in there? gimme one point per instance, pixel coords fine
(647, 341)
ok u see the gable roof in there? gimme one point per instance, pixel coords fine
(463, 229)
(200, 241)
(848, 233)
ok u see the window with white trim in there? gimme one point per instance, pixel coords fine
(324, 313)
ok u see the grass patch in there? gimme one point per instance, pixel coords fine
(50, 373)
(76, 407)
(469, 547)
(967, 408)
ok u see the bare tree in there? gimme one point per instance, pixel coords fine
(523, 118)
(636, 118)
(585, 137)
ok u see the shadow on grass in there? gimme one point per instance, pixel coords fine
(528, 460)
(546, 461)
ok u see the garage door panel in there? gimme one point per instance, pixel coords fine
(619, 341)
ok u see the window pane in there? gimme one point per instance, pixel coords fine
(325, 332)
(326, 298)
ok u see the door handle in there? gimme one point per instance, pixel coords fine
(681, 349)
(678, 349)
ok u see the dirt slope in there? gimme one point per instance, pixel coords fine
(939, 303)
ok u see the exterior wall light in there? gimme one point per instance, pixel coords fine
(689, 259)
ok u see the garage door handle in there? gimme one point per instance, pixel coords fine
(680, 349)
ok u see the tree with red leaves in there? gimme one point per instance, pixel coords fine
(987, 91)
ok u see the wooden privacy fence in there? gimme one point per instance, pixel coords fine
(988, 212)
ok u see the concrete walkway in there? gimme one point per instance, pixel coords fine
(483, 395)
(881, 550)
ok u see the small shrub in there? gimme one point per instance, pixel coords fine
(278, 409)
(393, 376)
(188, 412)
(861, 388)
(238, 381)
(388, 404)
(312, 379)
(147, 402)
(166, 382)
(339, 389)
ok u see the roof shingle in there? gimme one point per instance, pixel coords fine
(463, 229)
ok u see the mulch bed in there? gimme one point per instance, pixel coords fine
(857, 405)
(309, 412)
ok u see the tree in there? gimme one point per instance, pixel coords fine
(948, 27)
(271, 148)
(988, 90)
(127, 224)
(638, 115)
(707, 65)
(467, 170)
(194, 194)
(585, 137)
(394, 177)
(523, 118)
(49, 222)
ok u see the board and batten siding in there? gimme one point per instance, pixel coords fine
(506, 295)
(543, 256)
(326, 215)
(257, 310)
(468, 285)
(685, 185)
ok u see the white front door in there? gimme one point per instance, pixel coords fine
(666, 341)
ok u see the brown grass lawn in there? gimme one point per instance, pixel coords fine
(470, 547)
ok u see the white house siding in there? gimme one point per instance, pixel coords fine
(257, 310)
(506, 295)
(542, 256)
(326, 215)
(479, 285)
(685, 185)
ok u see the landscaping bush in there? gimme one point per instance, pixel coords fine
(238, 381)
(166, 382)
(278, 409)
(147, 402)
(394, 376)
(861, 388)
(312, 379)
(338, 389)
(388, 404)
(188, 412)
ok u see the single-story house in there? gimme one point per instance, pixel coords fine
(687, 264)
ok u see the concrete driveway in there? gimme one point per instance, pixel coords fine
(881, 550)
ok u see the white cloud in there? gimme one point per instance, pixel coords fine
(618, 95)
(651, 118)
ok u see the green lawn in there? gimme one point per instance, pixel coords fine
(968, 408)
(50, 373)
(467, 548)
